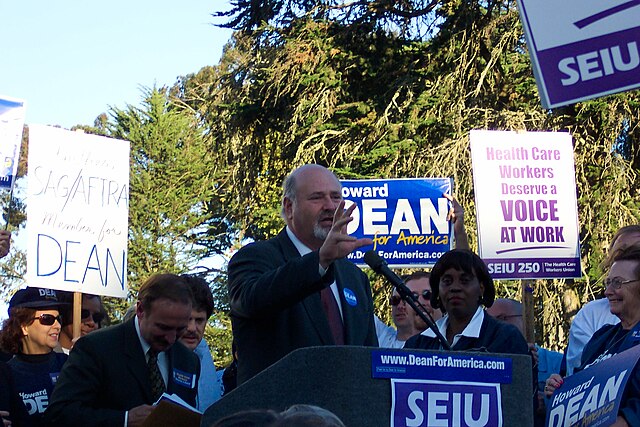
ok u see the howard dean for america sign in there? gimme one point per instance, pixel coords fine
(582, 49)
(406, 219)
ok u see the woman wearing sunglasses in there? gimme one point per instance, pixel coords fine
(31, 333)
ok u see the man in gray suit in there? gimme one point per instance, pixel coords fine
(297, 290)
(114, 375)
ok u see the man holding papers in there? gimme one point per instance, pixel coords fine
(113, 376)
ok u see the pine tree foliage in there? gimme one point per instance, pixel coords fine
(367, 96)
(14, 266)
(172, 181)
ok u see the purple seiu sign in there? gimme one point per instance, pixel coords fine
(417, 403)
(593, 67)
(526, 204)
(582, 49)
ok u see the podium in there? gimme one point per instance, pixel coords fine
(340, 379)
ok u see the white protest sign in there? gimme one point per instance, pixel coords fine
(12, 112)
(582, 49)
(526, 204)
(77, 209)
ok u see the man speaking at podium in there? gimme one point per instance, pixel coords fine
(297, 290)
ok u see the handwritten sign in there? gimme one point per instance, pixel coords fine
(526, 204)
(78, 200)
(405, 218)
(12, 112)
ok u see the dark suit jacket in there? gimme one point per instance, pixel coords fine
(276, 307)
(10, 399)
(106, 374)
(495, 337)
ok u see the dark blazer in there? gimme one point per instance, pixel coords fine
(106, 374)
(10, 400)
(276, 307)
(599, 343)
(495, 337)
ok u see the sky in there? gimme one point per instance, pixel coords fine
(70, 60)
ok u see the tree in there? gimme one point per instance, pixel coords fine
(173, 178)
(352, 86)
(14, 267)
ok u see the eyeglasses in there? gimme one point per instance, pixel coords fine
(97, 317)
(48, 319)
(616, 282)
(395, 299)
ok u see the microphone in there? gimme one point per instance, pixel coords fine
(380, 266)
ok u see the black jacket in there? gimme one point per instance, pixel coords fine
(276, 307)
(106, 374)
(495, 337)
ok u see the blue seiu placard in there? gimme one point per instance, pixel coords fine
(592, 397)
(406, 218)
(425, 403)
(440, 366)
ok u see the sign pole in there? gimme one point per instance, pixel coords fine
(527, 311)
(77, 309)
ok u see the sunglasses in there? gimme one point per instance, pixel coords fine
(97, 317)
(48, 319)
(395, 299)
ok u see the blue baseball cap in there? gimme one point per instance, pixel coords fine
(35, 298)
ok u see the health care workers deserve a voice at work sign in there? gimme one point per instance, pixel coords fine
(582, 49)
(526, 205)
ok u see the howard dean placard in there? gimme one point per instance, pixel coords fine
(526, 204)
(78, 203)
(405, 218)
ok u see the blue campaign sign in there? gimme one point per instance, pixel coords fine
(440, 366)
(592, 397)
(12, 113)
(420, 403)
(405, 218)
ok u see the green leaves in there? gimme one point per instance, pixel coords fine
(173, 182)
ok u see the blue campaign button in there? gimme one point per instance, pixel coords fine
(350, 297)
(184, 379)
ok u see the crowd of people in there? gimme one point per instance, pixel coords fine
(293, 291)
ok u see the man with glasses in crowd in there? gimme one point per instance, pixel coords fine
(407, 322)
(547, 361)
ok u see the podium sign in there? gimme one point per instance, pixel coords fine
(341, 379)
